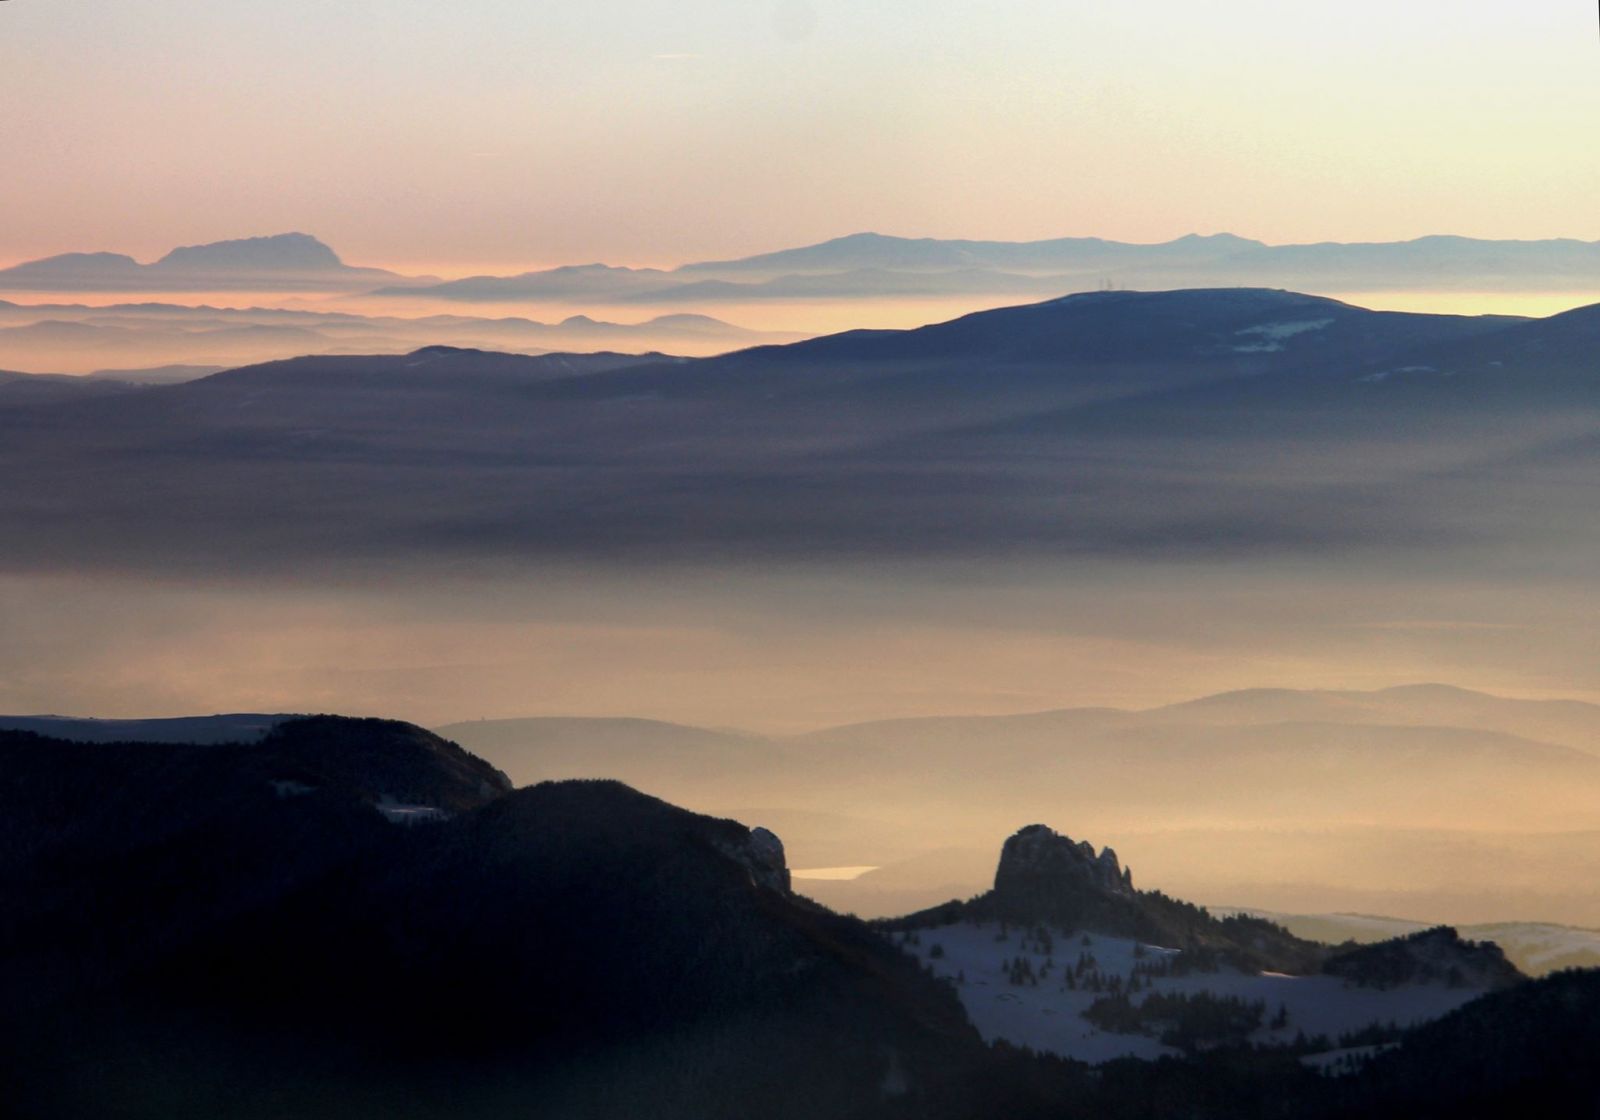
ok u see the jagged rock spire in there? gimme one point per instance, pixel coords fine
(1038, 862)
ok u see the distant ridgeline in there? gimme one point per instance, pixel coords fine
(357, 918)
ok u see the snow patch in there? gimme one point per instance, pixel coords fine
(1270, 336)
(1347, 1059)
(397, 812)
(1384, 374)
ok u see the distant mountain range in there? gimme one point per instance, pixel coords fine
(1384, 801)
(1285, 795)
(134, 338)
(868, 266)
(284, 261)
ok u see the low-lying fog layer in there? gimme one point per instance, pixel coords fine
(1423, 807)
(771, 651)
(1114, 500)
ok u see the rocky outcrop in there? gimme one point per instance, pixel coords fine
(1039, 860)
(761, 853)
(1045, 876)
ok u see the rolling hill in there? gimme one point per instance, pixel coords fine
(1158, 426)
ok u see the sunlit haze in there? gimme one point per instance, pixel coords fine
(494, 135)
(792, 559)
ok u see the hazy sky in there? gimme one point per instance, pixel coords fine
(516, 132)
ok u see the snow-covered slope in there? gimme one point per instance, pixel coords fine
(1040, 1010)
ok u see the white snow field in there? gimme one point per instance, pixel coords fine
(1048, 1017)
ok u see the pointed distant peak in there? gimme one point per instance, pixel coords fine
(579, 321)
(593, 268)
(440, 350)
(866, 237)
(280, 252)
(1215, 239)
(1430, 688)
(685, 319)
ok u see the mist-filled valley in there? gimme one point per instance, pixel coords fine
(255, 299)
(799, 560)
(1090, 508)
(1286, 598)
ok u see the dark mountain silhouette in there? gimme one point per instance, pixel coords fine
(230, 728)
(1537, 948)
(1242, 330)
(1427, 956)
(1523, 1051)
(190, 929)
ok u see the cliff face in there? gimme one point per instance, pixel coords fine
(1044, 875)
(1039, 861)
(763, 854)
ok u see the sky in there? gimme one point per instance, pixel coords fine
(499, 134)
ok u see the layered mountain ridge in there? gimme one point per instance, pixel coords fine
(1157, 426)
(869, 266)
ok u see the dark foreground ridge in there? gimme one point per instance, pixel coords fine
(258, 930)
(356, 918)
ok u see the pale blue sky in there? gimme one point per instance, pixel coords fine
(507, 133)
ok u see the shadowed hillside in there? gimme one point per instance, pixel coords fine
(1164, 425)
(262, 929)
